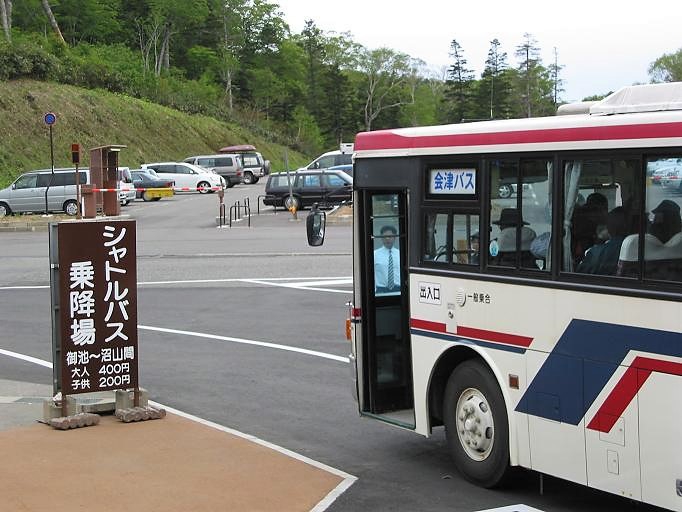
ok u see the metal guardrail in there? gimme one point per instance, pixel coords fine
(258, 199)
(236, 211)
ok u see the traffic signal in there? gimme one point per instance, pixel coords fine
(75, 153)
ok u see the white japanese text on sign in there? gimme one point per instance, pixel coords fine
(452, 181)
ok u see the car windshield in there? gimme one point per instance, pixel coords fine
(144, 175)
(252, 160)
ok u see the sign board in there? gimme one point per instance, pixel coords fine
(452, 181)
(50, 118)
(97, 298)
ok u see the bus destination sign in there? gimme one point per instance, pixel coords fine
(452, 181)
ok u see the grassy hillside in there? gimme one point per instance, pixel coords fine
(95, 118)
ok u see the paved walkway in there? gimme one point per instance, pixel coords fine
(178, 463)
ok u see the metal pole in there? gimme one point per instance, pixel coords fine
(52, 175)
(78, 193)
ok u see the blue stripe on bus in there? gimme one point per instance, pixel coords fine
(583, 361)
(468, 341)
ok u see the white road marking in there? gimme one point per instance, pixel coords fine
(347, 481)
(296, 282)
(303, 286)
(26, 358)
(512, 508)
(266, 344)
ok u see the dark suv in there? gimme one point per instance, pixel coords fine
(326, 187)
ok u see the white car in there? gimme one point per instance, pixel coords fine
(126, 189)
(330, 159)
(188, 177)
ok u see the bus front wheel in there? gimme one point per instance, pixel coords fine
(476, 424)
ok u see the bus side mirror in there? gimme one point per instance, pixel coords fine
(315, 223)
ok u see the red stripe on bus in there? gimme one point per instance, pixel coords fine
(470, 332)
(627, 388)
(498, 337)
(427, 325)
(386, 139)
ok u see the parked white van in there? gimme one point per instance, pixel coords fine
(27, 193)
(188, 176)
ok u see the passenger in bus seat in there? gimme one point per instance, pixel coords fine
(586, 222)
(509, 219)
(602, 258)
(387, 263)
(663, 250)
(665, 221)
(475, 256)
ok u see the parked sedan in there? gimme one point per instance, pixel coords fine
(150, 187)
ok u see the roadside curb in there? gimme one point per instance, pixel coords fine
(42, 225)
(8, 228)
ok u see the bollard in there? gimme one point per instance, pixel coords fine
(221, 207)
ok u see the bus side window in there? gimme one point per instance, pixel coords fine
(435, 237)
(521, 214)
(465, 238)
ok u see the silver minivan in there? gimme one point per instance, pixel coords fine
(27, 193)
(228, 166)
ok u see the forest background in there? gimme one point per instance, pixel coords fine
(238, 62)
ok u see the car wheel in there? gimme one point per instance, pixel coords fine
(255, 180)
(476, 424)
(5, 210)
(248, 178)
(204, 187)
(505, 191)
(292, 202)
(71, 208)
(229, 183)
(146, 196)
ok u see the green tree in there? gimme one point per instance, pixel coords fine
(529, 69)
(262, 31)
(307, 136)
(92, 21)
(172, 16)
(312, 42)
(667, 68)
(385, 73)
(6, 18)
(339, 104)
(459, 85)
(557, 83)
(535, 83)
(494, 89)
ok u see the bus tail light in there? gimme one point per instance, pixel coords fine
(355, 315)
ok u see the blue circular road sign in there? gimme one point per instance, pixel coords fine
(50, 119)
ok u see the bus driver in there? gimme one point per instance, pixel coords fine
(387, 263)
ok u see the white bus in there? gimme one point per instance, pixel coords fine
(535, 310)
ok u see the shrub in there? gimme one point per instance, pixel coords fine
(26, 59)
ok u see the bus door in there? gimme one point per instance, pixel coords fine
(387, 390)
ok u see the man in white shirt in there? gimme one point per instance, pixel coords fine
(387, 263)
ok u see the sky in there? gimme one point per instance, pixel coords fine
(611, 47)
